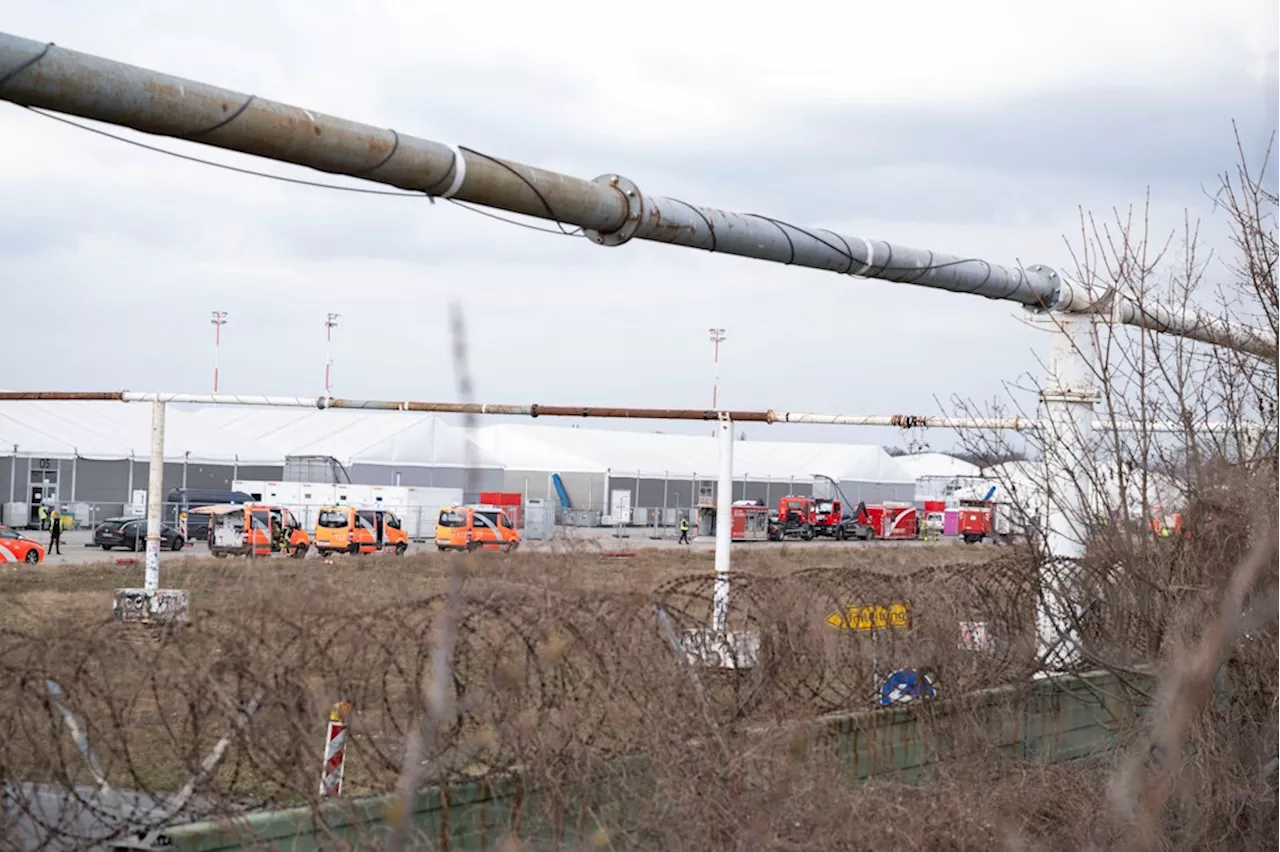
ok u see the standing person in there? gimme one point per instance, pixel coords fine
(44, 517)
(684, 531)
(55, 531)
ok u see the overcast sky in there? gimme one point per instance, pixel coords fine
(977, 128)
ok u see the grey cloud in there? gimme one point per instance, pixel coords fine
(1012, 152)
(1022, 161)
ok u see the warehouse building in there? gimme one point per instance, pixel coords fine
(93, 457)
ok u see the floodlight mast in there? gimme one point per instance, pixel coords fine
(611, 209)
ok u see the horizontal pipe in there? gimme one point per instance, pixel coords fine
(899, 421)
(611, 208)
(1193, 325)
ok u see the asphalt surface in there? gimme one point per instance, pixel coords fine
(77, 548)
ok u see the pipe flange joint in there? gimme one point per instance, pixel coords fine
(1052, 274)
(635, 207)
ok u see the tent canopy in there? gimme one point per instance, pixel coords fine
(265, 436)
(937, 465)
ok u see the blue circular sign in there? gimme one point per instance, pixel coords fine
(905, 686)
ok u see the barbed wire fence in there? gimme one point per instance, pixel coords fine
(540, 680)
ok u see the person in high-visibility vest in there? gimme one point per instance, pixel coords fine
(684, 531)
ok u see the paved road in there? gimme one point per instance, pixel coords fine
(76, 548)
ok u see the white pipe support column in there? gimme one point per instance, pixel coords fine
(1069, 399)
(152, 604)
(724, 524)
(155, 497)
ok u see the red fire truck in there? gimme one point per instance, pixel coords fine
(827, 517)
(750, 521)
(796, 518)
(888, 520)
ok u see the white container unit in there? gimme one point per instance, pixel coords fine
(422, 506)
(416, 507)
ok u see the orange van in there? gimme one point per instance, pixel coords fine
(346, 529)
(474, 527)
(269, 529)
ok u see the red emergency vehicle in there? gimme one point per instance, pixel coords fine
(982, 519)
(796, 517)
(750, 521)
(973, 520)
(827, 515)
(889, 520)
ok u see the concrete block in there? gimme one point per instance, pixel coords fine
(159, 606)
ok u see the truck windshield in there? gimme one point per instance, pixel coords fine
(452, 519)
(333, 519)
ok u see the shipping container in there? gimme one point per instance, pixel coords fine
(510, 501)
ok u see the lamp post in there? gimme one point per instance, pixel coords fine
(330, 322)
(219, 320)
(717, 335)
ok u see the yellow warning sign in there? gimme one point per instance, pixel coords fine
(870, 617)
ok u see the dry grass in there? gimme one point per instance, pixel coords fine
(559, 669)
(558, 662)
(41, 597)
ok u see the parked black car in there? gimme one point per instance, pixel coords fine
(131, 534)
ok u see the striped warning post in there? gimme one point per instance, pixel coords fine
(335, 750)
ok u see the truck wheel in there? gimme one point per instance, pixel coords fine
(807, 533)
(401, 548)
(839, 533)
(299, 551)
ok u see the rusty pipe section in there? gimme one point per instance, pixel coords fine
(63, 396)
(611, 209)
(898, 421)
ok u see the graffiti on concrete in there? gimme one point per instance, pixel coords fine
(146, 605)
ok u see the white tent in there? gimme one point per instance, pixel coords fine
(108, 431)
(937, 466)
(265, 436)
(652, 455)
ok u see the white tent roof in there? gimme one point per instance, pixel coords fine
(222, 434)
(352, 437)
(106, 430)
(569, 450)
(937, 465)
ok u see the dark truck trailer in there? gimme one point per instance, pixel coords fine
(187, 499)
